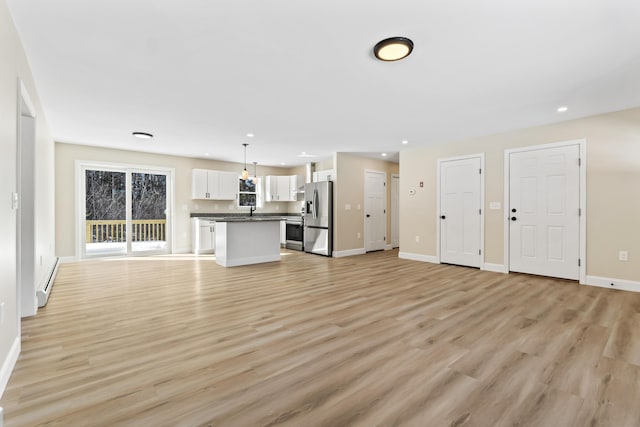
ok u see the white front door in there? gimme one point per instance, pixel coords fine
(460, 211)
(544, 197)
(375, 217)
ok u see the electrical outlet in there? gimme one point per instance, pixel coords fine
(417, 239)
(347, 207)
(358, 206)
(623, 256)
(358, 235)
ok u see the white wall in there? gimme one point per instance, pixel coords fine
(15, 68)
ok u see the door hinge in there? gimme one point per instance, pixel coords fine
(479, 251)
(579, 211)
(479, 211)
(579, 161)
(579, 262)
(385, 211)
(480, 171)
(384, 238)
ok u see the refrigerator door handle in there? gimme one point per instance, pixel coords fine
(316, 202)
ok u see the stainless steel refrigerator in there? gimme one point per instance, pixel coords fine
(318, 218)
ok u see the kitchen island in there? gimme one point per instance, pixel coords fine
(247, 240)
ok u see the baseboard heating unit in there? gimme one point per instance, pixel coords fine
(43, 291)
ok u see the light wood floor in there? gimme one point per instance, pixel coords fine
(368, 340)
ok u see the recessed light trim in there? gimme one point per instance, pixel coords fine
(393, 49)
(250, 135)
(384, 154)
(405, 142)
(142, 135)
(562, 109)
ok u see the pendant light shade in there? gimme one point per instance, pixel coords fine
(245, 173)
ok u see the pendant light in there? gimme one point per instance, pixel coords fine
(245, 174)
(254, 178)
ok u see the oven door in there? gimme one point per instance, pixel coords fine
(294, 236)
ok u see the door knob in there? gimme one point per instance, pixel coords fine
(368, 216)
(513, 218)
(443, 217)
(513, 210)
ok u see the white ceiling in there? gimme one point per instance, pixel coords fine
(301, 76)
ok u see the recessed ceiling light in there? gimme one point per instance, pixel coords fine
(304, 154)
(250, 135)
(562, 109)
(282, 163)
(393, 49)
(142, 135)
(405, 142)
(206, 154)
(384, 154)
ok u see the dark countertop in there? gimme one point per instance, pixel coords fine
(245, 217)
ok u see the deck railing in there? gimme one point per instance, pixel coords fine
(99, 231)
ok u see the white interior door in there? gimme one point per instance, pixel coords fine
(395, 211)
(544, 197)
(460, 211)
(375, 217)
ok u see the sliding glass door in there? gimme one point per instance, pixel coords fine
(125, 211)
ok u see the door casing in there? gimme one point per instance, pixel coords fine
(82, 165)
(582, 145)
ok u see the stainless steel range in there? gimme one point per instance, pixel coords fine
(294, 233)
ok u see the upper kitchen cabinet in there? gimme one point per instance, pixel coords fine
(283, 188)
(325, 175)
(278, 189)
(214, 185)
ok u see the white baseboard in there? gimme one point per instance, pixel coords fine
(605, 282)
(184, 251)
(497, 268)
(419, 257)
(349, 252)
(68, 259)
(8, 364)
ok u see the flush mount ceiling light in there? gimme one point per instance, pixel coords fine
(562, 109)
(393, 49)
(245, 173)
(142, 135)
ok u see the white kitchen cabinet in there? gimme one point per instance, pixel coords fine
(295, 184)
(203, 236)
(214, 185)
(283, 233)
(325, 175)
(278, 188)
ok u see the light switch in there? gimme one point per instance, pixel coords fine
(494, 205)
(347, 207)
